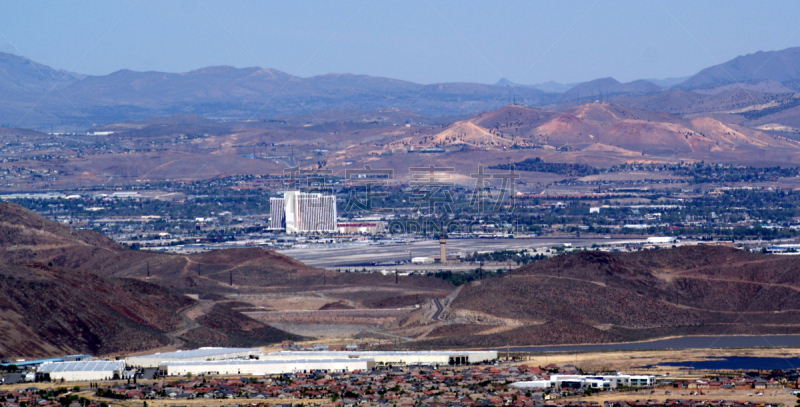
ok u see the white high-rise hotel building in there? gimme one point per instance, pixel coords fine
(300, 212)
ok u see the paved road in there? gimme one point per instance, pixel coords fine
(439, 309)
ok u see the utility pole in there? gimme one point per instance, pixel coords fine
(231, 276)
(395, 275)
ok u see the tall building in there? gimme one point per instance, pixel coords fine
(301, 212)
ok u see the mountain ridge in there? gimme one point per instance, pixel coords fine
(230, 93)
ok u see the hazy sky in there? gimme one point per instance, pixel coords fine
(421, 41)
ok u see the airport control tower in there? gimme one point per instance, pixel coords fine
(442, 251)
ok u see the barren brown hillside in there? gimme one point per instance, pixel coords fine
(66, 291)
(604, 297)
(78, 291)
(617, 127)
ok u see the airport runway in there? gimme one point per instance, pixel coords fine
(364, 254)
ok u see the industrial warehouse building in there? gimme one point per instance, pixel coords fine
(82, 370)
(393, 358)
(300, 212)
(196, 355)
(264, 367)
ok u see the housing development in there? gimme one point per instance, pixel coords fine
(391, 382)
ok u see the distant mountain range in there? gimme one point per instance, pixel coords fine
(36, 96)
(776, 66)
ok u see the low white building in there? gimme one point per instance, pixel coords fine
(82, 370)
(597, 382)
(532, 384)
(661, 240)
(196, 355)
(370, 227)
(433, 358)
(264, 367)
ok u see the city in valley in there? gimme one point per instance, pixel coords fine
(344, 204)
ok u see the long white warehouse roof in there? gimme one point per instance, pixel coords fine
(201, 354)
(367, 353)
(264, 366)
(85, 366)
(429, 357)
(260, 362)
(198, 353)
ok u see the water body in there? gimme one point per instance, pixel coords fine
(737, 363)
(685, 342)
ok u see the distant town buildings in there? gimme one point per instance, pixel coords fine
(301, 212)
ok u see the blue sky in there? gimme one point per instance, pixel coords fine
(424, 41)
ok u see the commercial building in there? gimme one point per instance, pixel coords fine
(661, 240)
(77, 358)
(423, 260)
(301, 212)
(600, 382)
(196, 355)
(392, 358)
(83, 370)
(264, 367)
(27, 364)
(369, 227)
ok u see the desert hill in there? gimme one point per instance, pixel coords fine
(74, 291)
(604, 297)
(607, 126)
(31, 239)
(598, 134)
(591, 297)
(78, 291)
